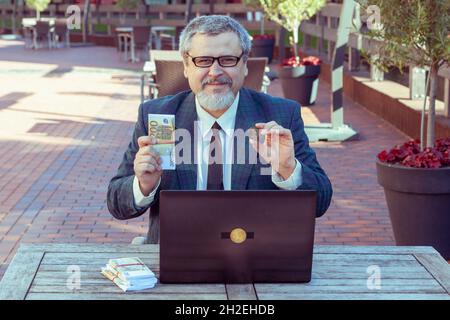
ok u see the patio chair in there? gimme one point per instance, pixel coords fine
(256, 78)
(60, 34)
(148, 78)
(169, 78)
(42, 33)
(140, 41)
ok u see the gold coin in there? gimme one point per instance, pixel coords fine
(238, 235)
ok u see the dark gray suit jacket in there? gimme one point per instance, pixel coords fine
(253, 107)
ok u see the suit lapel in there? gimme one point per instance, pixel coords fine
(248, 113)
(184, 119)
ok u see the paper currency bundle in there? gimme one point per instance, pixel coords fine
(129, 274)
(162, 127)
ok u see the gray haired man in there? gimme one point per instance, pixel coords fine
(215, 50)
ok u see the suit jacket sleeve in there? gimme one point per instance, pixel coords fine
(120, 198)
(313, 176)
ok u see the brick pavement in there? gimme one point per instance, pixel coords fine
(66, 119)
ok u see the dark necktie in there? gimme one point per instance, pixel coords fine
(215, 175)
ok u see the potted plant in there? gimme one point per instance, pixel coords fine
(299, 75)
(262, 44)
(415, 176)
(38, 5)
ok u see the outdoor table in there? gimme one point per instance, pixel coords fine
(29, 27)
(43, 271)
(123, 34)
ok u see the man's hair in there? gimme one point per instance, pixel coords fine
(214, 25)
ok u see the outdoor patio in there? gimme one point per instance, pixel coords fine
(66, 118)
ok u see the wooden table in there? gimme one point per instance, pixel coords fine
(41, 271)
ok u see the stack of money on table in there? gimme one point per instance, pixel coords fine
(129, 274)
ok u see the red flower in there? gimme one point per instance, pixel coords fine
(263, 36)
(409, 155)
(306, 61)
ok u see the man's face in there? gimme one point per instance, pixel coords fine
(215, 86)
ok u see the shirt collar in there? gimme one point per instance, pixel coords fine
(226, 120)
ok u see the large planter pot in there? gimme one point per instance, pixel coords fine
(419, 205)
(300, 83)
(263, 48)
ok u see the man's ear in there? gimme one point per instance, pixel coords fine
(185, 68)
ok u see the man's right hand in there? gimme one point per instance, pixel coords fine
(147, 165)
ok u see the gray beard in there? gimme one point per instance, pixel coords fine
(215, 102)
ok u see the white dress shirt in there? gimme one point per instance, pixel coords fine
(226, 122)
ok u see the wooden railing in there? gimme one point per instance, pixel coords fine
(161, 15)
(323, 27)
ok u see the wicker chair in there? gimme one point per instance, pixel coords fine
(169, 78)
(149, 78)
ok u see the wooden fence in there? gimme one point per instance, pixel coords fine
(322, 28)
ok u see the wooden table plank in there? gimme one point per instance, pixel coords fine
(437, 267)
(124, 296)
(340, 249)
(105, 256)
(111, 288)
(372, 249)
(241, 292)
(339, 272)
(87, 247)
(349, 296)
(17, 280)
(90, 259)
(306, 288)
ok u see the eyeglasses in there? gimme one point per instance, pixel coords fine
(224, 61)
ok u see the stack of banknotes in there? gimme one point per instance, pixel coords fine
(162, 127)
(129, 274)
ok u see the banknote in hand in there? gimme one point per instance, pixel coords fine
(162, 127)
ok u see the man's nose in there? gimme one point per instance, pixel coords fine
(215, 69)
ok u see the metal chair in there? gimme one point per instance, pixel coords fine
(61, 34)
(140, 40)
(42, 33)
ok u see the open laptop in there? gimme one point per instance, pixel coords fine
(236, 236)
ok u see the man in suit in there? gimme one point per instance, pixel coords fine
(215, 51)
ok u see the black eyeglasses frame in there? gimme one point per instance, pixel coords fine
(214, 59)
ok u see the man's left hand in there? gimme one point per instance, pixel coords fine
(276, 148)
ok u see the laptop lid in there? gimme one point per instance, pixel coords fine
(236, 236)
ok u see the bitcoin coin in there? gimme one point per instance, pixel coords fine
(238, 235)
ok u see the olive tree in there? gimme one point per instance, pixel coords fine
(413, 32)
